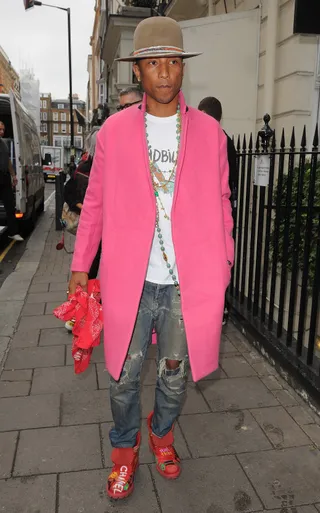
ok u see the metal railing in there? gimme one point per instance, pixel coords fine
(276, 278)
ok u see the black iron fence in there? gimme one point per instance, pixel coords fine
(276, 279)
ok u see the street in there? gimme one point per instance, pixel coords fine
(10, 252)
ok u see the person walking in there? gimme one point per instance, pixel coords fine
(160, 178)
(8, 180)
(212, 106)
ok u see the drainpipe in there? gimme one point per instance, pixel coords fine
(271, 51)
(211, 8)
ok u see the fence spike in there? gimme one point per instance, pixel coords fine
(293, 140)
(238, 143)
(273, 141)
(258, 143)
(283, 140)
(244, 143)
(316, 137)
(304, 139)
(250, 142)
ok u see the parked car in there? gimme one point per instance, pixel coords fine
(22, 138)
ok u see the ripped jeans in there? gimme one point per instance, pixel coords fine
(160, 309)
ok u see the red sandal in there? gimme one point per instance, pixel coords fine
(167, 459)
(121, 480)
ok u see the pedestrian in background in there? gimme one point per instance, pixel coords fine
(128, 97)
(212, 106)
(8, 180)
(158, 197)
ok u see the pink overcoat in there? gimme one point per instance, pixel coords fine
(120, 208)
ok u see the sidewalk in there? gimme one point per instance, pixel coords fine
(247, 442)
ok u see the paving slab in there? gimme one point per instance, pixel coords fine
(41, 321)
(38, 287)
(103, 376)
(29, 495)
(7, 451)
(63, 379)
(218, 374)
(45, 278)
(271, 382)
(33, 309)
(208, 485)
(55, 337)
(27, 358)
(240, 342)
(85, 492)
(55, 286)
(226, 345)
(47, 297)
(264, 369)
(237, 394)
(29, 412)
(9, 316)
(19, 375)
(51, 306)
(26, 338)
(222, 433)
(300, 415)
(284, 475)
(285, 397)
(85, 407)
(14, 388)
(61, 449)
(4, 344)
(280, 428)
(236, 367)
(313, 431)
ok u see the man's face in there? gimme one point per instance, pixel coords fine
(161, 77)
(127, 100)
(2, 129)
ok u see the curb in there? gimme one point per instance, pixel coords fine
(16, 286)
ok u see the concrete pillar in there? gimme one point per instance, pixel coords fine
(271, 50)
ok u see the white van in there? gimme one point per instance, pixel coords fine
(22, 138)
(52, 162)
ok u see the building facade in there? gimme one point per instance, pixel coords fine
(9, 78)
(288, 82)
(55, 121)
(112, 37)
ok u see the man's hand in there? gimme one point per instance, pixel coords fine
(14, 181)
(78, 278)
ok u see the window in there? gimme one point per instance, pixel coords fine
(60, 105)
(64, 128)
(44, 116)
(63, 116)
(43, 128)
(44, 104)
(79, 129)
(57, 142)
(78, 142)
(55, 116)
(41, 104)
(56, 128)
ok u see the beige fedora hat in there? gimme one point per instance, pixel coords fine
(158, 37)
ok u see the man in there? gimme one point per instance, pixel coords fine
(8, 180)
(213, 107)
(128, 97)
(159, 199)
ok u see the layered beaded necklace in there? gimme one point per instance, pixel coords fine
(164, 184)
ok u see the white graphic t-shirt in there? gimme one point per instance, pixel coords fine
(164, 148)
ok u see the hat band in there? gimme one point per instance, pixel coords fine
(158, 49)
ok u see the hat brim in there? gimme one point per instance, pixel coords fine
(132, 58)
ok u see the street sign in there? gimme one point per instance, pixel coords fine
(28, 4)
(262, 170)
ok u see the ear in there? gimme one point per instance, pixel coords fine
(136, 71)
